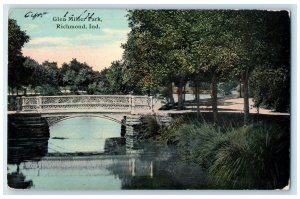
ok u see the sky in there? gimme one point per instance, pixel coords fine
(97, 47)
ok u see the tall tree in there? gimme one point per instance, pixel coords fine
(261, 41)
(141, 54)
(212, 54)
(270, 82)
(157, 49)
(17, 73)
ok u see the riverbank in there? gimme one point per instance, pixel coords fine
(234, 155)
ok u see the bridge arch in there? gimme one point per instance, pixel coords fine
(56, 119)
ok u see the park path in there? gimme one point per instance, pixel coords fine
(230, 105)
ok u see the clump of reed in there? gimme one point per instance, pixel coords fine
(255, 156)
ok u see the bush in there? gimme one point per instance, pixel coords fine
(226, 87)
(168, 135)
(150, 127)
(271, 88)
(47, 89)
(12, 104)
(248, 157)
(254, 157)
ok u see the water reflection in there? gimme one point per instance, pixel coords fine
(112, 172)
(17, 180)
(115, 146)
(29, 143)
(160, 168)
(113, 166)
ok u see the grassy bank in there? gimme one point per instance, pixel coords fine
(256, 156)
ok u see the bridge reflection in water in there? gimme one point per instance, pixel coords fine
(72, 146)
(153, 167)
(129, 167)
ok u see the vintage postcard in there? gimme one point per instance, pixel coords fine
(141, 99)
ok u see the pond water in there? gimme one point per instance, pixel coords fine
(79, 158)
(82, 134)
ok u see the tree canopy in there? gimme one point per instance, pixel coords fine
(170, 45)
(17, 74)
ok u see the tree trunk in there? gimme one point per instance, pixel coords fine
(214, 97)
(240, 89)
(180, 94)
(197, 96)
(170, 93)
(149, 91)
(246, 98)
(183, 94)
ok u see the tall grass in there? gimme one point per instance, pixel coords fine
(150, 127)
(169, 135)
(247, 157)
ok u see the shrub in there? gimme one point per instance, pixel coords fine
(248, 157)
(12, 104)
(255, 157)
(150, 127)
(168, 135)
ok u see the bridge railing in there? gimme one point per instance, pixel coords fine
(86, 103)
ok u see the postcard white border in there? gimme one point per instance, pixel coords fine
(256, 4)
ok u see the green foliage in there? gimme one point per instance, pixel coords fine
(253, 157)
(113, 81)
(150, 127)
(155, 51)
(92, 88)
(17, 73)
(271, 88)
(77, 75)
(249, 157)
(226, 87)
(49, 73)
(47, 89)
(165, 45)
(16, 39)
(34, 66)
(168, 135)
(12, 103)
(116, 83)
(197, 142)
(44, 78)
(170, 45)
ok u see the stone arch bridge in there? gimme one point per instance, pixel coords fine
(36, 114)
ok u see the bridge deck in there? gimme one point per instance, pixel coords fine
(86, 103)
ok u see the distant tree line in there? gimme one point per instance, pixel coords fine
(26, 74)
